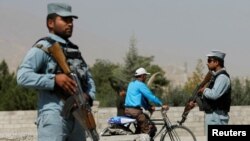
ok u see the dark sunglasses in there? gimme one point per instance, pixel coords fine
(210, 60)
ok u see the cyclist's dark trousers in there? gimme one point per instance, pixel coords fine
(143, 122)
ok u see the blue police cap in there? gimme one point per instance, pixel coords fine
(61, 9)
(217, 53)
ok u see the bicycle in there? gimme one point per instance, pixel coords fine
(168, 131)
(172, 132)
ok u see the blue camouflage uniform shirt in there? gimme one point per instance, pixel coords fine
(37, 70)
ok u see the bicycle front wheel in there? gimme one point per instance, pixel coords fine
(178, 133)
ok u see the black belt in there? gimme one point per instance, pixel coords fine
(216, 111)
(135, 107)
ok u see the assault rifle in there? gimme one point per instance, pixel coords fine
(195, 97)
(82, 110)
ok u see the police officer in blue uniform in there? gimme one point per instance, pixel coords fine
(40, 71)
(216, 98)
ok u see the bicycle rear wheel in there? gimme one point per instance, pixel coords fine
(178, 133)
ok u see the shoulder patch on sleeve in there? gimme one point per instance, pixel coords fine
(43, 45)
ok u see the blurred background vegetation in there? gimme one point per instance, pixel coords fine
(14, 97)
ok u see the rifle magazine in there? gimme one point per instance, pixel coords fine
(68, 107)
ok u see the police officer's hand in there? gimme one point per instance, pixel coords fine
(87, 97)
(191, 104)
(201, 90)
(66, 83)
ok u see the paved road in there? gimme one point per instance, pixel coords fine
(102, 138)
(133, 137)
(21, 137)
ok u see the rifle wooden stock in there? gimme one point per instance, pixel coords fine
(90, 123)
(59, 56)
(83, 111)
(204, 82)
(206, 79)
(188, 106)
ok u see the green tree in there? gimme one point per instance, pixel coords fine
(179, 95)
(246, 94)
(176, 96)
(240, 92)
(18, 98)
(4, 73)
(102, 70)
(195, 79)
(133, 61)
(13, 97)
(4, 70)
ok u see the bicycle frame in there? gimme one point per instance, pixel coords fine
(164, 122)
(169, 129)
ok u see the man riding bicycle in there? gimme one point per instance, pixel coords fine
(138, 96)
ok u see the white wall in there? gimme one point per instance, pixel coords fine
(21, 123)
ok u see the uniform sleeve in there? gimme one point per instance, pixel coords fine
(221, 84)
(28, 74)
(91, 85)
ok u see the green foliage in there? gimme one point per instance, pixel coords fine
(176, 96)
(159, 84)
(14, 97)
(196, 78)
(240, 89)
(19, 98)
(133, 61)
(236, 91)
(240, 92)
(179, 96)
(101, 71)
(246, 93)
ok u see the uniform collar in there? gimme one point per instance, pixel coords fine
(215, 73)
(57, 38)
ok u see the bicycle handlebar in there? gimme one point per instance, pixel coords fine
(158, 108)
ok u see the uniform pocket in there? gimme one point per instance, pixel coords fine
(49, 119)
(51, 127)
(51, 67)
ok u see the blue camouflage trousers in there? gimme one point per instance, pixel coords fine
(53, 127)
(217, 117)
